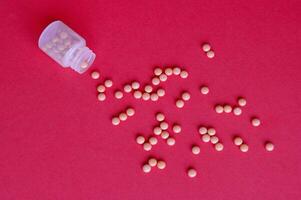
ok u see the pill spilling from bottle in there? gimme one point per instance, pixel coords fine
(69, 49)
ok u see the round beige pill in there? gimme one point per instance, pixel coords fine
(146, 168)
(219, 146)
(157, 131)
(163, 77)
(202, 130)
(204, 90)
(146, 96)
(147, 146)
(164, 135)
(154, 97)
(184, 74)
(210, 54)
(237, 111)
(244, 148)
(211, 131)
(191, 173)
(155, 81)
(242, 102)
(160, 117)
(168, 71)
(164, 125)
(206, 47)
(148, 88)
(101, 88)
(118, 94)
(185, 96)
(206, 138)
(140, 139)
(195, 150)
(219, 109)
(158, 71)
(101, 97)
(171, 141)
(176, 128)
(176, 71)
(180, 103)
(227, 108)
(130, 112)
(269, 146)
(95, 75)
(137, 94)
(152, 162)
(214, 139)
(238, 141)
(160, 92)
(115, 121)
(127, 88)
(84, 64)
(255, 122)
(135, 85)
(122, 116)
(108, 83)
(153, 140)
(161, 164)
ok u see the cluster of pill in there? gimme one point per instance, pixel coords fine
(153, 162)
(240, 143)
(101, 88)
(237, 109)
(59, 45)
(162, 75)
(152, 91)
(147, 93)
(134, 86)
(209, 135)
(147, 145)
(162, 129)
(122, 116)
(180, 102)
(208, 50)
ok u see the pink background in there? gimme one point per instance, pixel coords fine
(57, 140)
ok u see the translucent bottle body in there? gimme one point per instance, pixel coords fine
(66, 47)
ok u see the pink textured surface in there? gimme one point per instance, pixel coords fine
(57, 141)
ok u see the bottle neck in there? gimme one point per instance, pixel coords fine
(80, 58)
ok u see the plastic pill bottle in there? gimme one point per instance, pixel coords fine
(66, 47)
